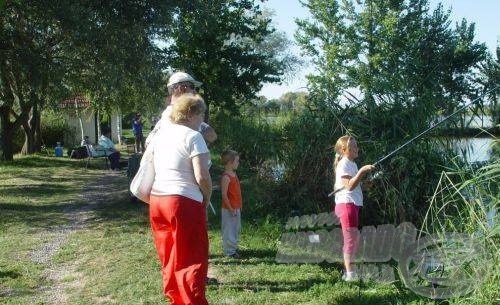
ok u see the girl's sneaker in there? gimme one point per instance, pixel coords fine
(350, 277)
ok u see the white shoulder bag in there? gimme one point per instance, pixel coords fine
(143, 180)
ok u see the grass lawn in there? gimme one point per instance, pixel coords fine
(72, 236)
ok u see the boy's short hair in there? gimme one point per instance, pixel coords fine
(228, 155)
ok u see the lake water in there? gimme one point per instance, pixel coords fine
(471, 121)
(483, 121)
(473, 149)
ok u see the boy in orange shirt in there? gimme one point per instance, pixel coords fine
(231, 204)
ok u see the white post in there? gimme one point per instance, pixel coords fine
(79, 120)
(119, 127)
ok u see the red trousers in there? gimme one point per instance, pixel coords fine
(181, 239)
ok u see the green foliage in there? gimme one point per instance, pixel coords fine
(230, 46)
(55, 128)
(251, 135)
(386, 69)
(18, 141)
(115, 54)
(306, 157)
(56, 50)
(490, 78)
(395, 53)
(127, 120)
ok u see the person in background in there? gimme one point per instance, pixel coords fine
(178, 84)
(181, 191)
(348, 197)
(231, 204)
(137, 129)
(86, 141)
(109, 147)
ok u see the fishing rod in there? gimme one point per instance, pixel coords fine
(432, 127)
(420, 135)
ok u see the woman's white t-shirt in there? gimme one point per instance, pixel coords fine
(174, 149)
(346, 167)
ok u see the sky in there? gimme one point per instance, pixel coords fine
(484, 13)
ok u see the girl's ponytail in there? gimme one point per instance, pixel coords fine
(341, 144)
(336, 161)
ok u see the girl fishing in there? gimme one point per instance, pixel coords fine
(348, 197)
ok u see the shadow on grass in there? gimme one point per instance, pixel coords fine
(35, 216)
(34, 191)
(40, 161)
(274, 286)
(258, 253)
(248, 257)
(365, 297)
(9, 274)
(121, 207)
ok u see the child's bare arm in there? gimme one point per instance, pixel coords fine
(350, 183)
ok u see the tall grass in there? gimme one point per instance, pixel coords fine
(466, 201)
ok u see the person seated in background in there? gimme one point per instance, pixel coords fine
(86, 141)
(82, 151)
(109, 148)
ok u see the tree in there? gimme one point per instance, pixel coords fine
(490, 78)
(50, 50)
(387, 68)
(394, 52)
(293, 100)
(231, 46)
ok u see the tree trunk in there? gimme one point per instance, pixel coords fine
(32, 132)
(6, 134)
(38, 132)
(29, 140)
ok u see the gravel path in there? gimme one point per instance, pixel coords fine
(65, 276)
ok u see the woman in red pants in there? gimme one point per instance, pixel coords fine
(181, 191)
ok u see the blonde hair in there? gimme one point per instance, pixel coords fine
(228, 155)
(186, 106)
(341, 145)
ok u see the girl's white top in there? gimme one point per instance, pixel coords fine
(346, 167)
(174, 149)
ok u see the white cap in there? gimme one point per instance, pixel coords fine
(180, 77)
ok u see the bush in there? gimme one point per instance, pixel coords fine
(55, 128)
(409, 176)
(291, 160)
(254, 138)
